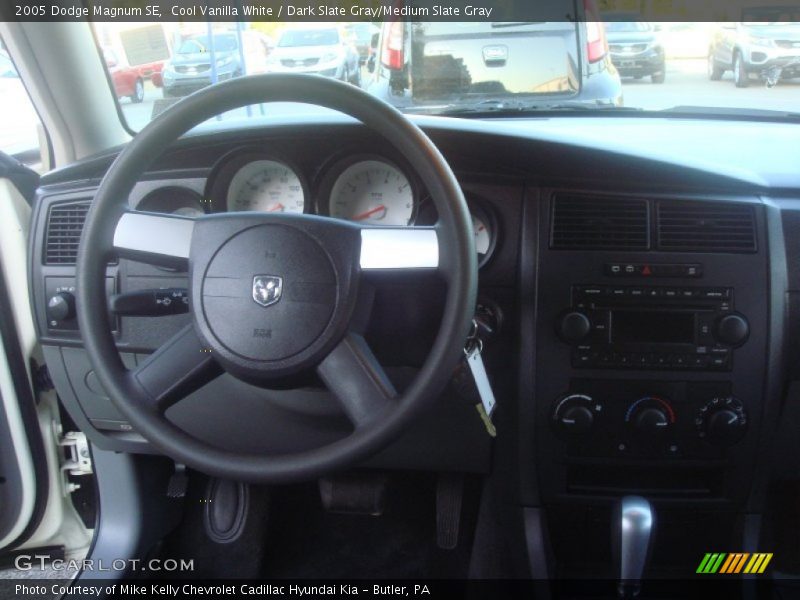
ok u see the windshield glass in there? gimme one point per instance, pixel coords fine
(197, 45)
(315, 37)
(472, 68)
(623, 26)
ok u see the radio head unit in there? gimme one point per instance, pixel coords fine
(652, 327)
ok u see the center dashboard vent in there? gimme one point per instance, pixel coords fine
(64, 226)
(705, 227)
(587, 222)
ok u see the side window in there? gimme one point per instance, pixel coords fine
(21, 132)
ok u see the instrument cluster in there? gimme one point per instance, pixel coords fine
(366, 188)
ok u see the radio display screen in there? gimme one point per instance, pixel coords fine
(643, 327)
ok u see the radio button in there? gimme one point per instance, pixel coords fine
(582, 359)
(699, 362)
(719, 362)
(679, 361)
(716, 293)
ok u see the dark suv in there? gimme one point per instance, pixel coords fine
(636, 50)
(419, 66)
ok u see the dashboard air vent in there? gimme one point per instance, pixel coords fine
(587, 222)
(706, 227)
(64, 225)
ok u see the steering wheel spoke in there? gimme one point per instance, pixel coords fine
(162, 240)
(178, 368)
(357, 380)
(399, 248)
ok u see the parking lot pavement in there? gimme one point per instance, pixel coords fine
(687, 84)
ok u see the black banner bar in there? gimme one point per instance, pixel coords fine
(701, 587)
(288, 11)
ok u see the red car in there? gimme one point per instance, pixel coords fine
(128, 82)
(151, 71)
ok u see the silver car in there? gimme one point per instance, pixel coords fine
(323, 50)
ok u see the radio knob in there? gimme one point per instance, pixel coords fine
(732, 330)
(574, 326)
(575, 414)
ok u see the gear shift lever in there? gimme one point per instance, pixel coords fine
(631, 541)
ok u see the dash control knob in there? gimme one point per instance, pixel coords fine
(722, 421)
(575, 414)
(732, 330)
(650, 416)
(61, 307)
(573, 326)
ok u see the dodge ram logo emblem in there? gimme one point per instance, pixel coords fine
(267, 289)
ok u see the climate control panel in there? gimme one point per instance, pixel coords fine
(629, 419)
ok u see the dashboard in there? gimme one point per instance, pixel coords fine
(642, 276)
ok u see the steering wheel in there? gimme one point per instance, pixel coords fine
(272, 296)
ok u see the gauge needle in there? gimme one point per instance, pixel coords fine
(369, 213)
(278, 206)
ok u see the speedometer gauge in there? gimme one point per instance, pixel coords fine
(373, 192)
(266, 186)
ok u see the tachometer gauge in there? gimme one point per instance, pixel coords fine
(373, 192)
(266, 186)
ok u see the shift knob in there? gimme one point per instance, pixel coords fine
(631, 542)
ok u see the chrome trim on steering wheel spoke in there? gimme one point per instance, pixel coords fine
(399, 248)
(144, 234)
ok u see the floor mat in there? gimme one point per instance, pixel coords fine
(304, 541)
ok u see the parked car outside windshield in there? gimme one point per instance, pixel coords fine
(316, 50)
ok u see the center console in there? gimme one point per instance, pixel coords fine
(650, 358)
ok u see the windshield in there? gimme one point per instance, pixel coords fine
(629, 26)
(198, 45)
(473, 68)
(316, 37)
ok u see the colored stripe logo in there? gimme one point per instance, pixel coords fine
(734, 562)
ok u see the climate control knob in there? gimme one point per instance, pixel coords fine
(650, 416)
(722, 421)
(651, 420)
(573, 326)
(575, 414)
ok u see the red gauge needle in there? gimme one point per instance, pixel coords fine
(278, 206)
(369, 213)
